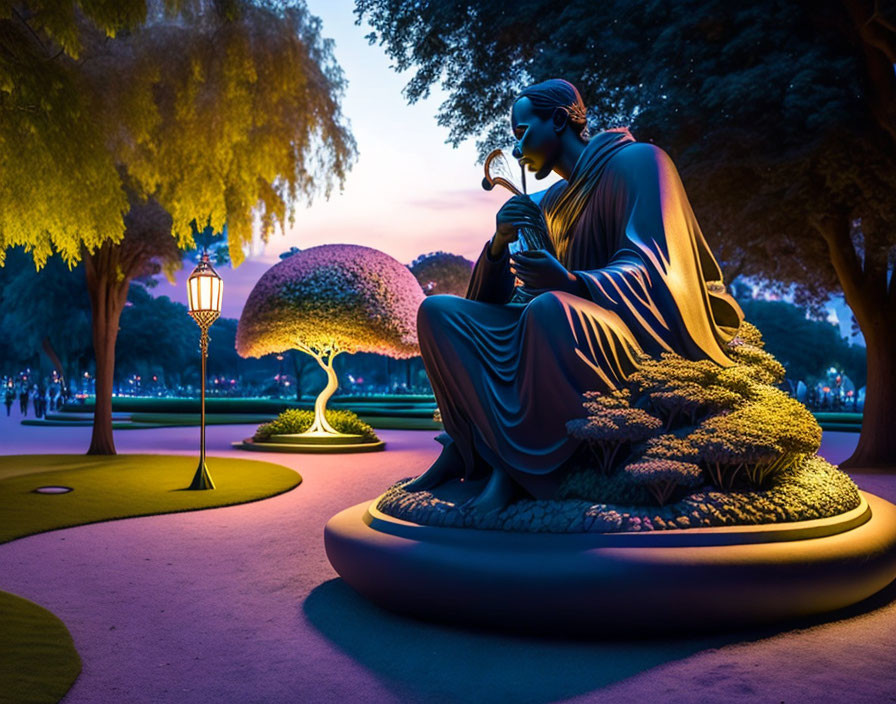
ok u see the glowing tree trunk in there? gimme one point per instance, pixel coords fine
(325, 360)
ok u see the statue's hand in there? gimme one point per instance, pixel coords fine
(540, 271)
(518, 212)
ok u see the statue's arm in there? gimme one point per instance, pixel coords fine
(623, 282)
(491, 280)
(629, 204)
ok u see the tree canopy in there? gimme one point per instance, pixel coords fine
(442, 272)
(330, 299)
(155, 334)
(223, 112)
(52, 305)
(807, 348)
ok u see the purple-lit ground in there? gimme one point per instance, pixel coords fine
(241, 605)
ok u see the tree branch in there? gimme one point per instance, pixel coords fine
(884, 32)
(29, 28)
(836, 234)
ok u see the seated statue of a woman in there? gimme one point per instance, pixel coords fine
(630, 274)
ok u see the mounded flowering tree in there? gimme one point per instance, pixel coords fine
(328, 300)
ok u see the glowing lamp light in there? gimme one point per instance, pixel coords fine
(205, 291)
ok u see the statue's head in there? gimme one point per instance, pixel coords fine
(544, 115)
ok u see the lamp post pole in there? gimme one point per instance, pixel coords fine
(202, 479)
(204, 289)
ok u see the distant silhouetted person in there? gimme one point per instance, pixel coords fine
(23, 399)
(8, 397)
(37, 398)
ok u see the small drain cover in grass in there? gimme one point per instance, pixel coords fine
(53, 490)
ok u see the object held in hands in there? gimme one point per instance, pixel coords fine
(498, 172)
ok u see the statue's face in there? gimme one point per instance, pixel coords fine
(538, 142)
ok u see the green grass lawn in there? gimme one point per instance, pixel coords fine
(123, 486)
(38, 660)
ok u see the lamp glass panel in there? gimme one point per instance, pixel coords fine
(215, 299)
(205, 292)
(193, 290)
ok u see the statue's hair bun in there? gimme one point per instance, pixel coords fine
(555, 93)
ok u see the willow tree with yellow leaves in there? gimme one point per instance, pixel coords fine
(124, 129)
(328, 300)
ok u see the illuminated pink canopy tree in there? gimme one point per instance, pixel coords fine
(328, 300)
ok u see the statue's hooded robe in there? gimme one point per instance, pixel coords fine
(508, 377)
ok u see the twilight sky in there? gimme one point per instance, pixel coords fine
(409, 193)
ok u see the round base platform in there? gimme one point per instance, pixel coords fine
(673, 580)
(316, 448)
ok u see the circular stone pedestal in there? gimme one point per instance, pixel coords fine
(670, 580)
(298, 442)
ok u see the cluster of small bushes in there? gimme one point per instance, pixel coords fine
(812, 490)
(298, 421)
(680, 424)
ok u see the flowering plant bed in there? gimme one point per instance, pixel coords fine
(813, 489)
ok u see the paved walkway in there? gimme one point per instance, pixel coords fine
(240, 605)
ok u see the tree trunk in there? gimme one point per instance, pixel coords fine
(320, 424)
(877, 441)
(107, 298)
(873, 302)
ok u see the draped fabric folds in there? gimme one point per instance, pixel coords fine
(507, 377)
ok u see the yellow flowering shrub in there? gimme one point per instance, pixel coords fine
(762, 438)
(679, 390)
(612, 424)
(663, 477)
(297, 420)
(685, 422)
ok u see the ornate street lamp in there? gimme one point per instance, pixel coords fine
(204, 291)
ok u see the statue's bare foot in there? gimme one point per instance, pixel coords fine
(448, 465)
(497, 495)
